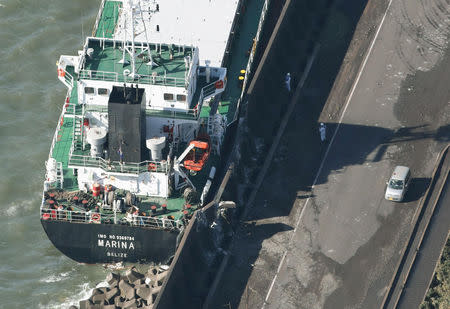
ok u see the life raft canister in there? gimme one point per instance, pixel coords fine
(61, 72)
(151, 167)
(96, 189)
(219, 84)
(95, 217)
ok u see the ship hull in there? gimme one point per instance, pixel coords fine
(110, 243)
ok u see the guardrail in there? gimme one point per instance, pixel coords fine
(116, 166)
(99, 218)
(99, 15)
(58, 126)
(249, 67)
(412, 246)
(142, 79)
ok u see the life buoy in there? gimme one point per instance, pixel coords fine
(53, 214)
(45, 216)
(95, 217)
(61, 72)
(151, 167)
(219, 84)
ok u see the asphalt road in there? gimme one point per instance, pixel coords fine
(430, 250)
(321, 234)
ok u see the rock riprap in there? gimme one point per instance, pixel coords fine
(129, 290)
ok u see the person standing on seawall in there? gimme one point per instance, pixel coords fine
(287, 81)
(323, 132)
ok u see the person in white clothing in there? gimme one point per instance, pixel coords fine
(287, 81)
(323, 132)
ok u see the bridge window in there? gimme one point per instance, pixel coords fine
(89, 90)
(168, 96)
(181, 98)
(102, 91)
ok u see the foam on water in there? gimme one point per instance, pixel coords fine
(84, 291)
(56, 277)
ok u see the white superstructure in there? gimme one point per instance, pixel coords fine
(202, 23)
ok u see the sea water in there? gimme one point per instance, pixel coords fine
(33, 34)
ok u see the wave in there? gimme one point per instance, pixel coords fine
(56, 278)
(85, 290)
(19, 207)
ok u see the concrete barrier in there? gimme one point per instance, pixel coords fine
(411, 248)
(192, 270)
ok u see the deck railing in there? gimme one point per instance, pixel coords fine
(116, 166)
(77, 216)
(58, 126)
(141, 79)
(248, 70)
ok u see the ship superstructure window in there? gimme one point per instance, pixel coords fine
(89, 90)
(102, 91)
(181, 98)
(168, 96)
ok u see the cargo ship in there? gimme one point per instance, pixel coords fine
(140, 142)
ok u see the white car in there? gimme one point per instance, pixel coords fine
(398, 184)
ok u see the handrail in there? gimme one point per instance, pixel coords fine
(99, 15)
(116, 166)
(80, 216)
(68, 78)
(58, 127)
(248, 69)
(142, 79)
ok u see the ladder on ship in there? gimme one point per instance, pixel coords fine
(216, 128)
(78, 131)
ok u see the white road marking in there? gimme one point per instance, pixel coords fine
(329, 146)
(275, 278)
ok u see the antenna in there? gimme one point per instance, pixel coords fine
(123, 60)
(126, 10)
(82, 29)
(150, 62)
(133, 53)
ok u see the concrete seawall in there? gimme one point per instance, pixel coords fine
(199, 253)
(196, 259)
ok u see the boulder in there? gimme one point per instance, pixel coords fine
(159, 278)
(152, 271)
(118, 301)
(86, 304)
(111, 294)
(132, 275)
(107, 306)
(97, 291)
(98, 298)
(139, 282)
(126, 290)
(73, 307)
(144, 292)
(130, 304)
(113, 279)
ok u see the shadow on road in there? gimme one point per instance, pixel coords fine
(417, 189)
(297, 159)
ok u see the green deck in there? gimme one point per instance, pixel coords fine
(106, 59)
(104, 64)
(108, 20)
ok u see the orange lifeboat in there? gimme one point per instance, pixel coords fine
(197, 157)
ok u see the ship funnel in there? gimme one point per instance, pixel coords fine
(96, 137)
(156, 145)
